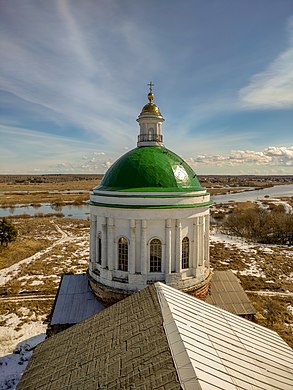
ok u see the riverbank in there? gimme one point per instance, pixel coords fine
(30, 281)
(75, 205)
(37, 273)
(61, 189)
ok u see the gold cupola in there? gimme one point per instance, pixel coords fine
(150, 108)
(150, 120)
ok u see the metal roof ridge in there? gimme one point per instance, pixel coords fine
(222, 365)
(185, 371)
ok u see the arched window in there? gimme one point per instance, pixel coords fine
(155, 255)
(185, 253)
(150, 134)
(99, 248)
(122, 254)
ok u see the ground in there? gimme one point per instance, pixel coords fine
(31, 267)
(29, 285)
(266, 274)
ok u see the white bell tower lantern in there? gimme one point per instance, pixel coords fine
(150, 122)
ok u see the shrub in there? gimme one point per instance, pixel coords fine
(8, 232)
(261, 225)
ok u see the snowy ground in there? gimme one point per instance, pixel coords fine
(13, 365)
(37, 277)
(250, 259)
(31, 285)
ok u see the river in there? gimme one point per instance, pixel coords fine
(82, 211)
(69, 211)
(271, 192)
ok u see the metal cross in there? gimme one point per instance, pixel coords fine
(150, 84)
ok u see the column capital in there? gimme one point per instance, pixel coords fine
(132, 223)
(110, 221)
(168, 223)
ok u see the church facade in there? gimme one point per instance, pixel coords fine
(149, 220)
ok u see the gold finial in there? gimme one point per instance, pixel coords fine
(150, 94)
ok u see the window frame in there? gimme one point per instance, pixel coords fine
(123, 253)
(185, 253)
(155, 257)
(99, 251)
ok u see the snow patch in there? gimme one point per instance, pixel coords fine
(36, 282)
(238, 242)
(13, 365)
(10, 335)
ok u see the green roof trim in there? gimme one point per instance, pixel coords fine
(109, 195)
(125, 206)
(150, 169)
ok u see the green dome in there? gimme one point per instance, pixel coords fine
(150, 169)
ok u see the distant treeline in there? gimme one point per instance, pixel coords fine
(48, 178)
(231, 180)
(246, 180)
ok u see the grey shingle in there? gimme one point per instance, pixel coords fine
(75, 301)
(227, 293)
(122, 347)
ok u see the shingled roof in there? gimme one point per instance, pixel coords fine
(74, 301)
(227, 293)
(122, 347)
(161, 338)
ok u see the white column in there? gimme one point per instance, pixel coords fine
(207, 240)
(178, 246)
(143, 247)
(104, 244)
(131, 267)
(93, 233)
(200, 240)
(168, 237)
(195, 247)
(110, 246)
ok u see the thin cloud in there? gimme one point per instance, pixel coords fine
(70, 70)
(273, 156)
(37, 149)
(272, 88)
(42, 152)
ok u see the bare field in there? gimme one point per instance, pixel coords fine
(48, 182)
(34, 234)
(260, 268)
(55, 190)
(38, 274)
(36, 198)
(48, 247)
(217, 184)
(66, 251)
(259, 181)
(34, 190)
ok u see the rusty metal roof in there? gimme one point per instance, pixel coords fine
(227, 293)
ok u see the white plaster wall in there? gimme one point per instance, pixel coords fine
(148, 214)
(121, 221)
(148, 201)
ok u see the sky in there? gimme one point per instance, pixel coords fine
(74, 75)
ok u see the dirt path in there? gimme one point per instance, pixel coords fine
(271, 293)
(9, 273)
(28, 297)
